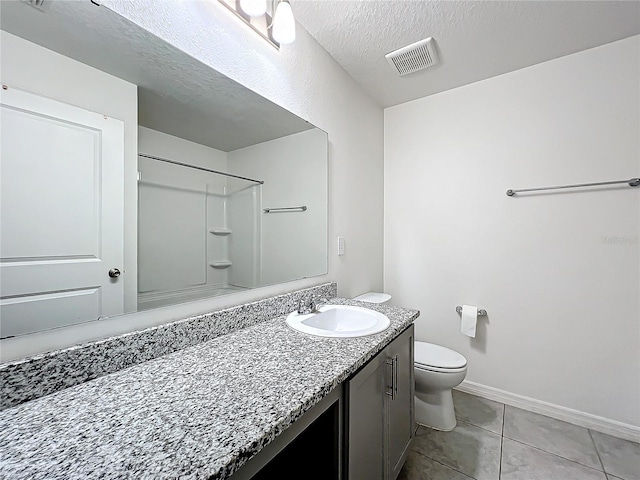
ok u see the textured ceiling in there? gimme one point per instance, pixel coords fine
(177, 94)
(475, 39)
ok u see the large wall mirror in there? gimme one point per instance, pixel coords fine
(135, 177)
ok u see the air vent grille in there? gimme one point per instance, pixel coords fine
(414, 57)
(39, 4)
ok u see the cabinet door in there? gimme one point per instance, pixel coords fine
(365, 410)
(400, 407)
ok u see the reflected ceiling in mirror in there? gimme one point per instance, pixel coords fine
(199, 233)
(177, 94)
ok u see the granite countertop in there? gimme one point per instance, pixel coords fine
(201, 412)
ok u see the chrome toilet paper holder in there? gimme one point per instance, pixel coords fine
(481, 312)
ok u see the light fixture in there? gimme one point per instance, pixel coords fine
(271, 19)
(254, 8)
(284, 25)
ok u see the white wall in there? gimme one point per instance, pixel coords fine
(557, 273)
(294, 171)
(163, 145)
(303, 78)
(31, 67)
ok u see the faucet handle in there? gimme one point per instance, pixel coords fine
(316, 304)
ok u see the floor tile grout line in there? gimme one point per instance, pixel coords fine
(504, 413)
(500, 458)
(477, 426)
(444, 465)
(474, 426)
(600, 468)
(537, 413)
(554, 454)
(596, 449)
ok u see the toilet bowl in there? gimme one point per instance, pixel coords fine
(437, 371)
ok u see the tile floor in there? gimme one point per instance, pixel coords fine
(497, 442)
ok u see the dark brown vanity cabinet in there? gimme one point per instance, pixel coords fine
(379, 413)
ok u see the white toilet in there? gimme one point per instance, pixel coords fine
(437, 370)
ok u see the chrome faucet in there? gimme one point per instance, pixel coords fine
(312, 306)
(303, 307)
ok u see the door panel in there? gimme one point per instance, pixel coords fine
(39, 312)
(61, 214)
(50, 170)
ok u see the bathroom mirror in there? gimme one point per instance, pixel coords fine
(135, 177)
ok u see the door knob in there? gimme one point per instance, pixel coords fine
(114, 273)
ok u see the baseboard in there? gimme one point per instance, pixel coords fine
(587, 420)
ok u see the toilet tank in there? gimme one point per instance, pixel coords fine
(374, 297)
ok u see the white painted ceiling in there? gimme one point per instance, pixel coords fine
(475, 39)
(177, 94)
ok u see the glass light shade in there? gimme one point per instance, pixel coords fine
(284, 25)
(254, 8)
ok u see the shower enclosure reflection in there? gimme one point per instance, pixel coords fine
(203, 233)
(205, 227)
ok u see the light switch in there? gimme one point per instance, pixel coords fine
(340, 245)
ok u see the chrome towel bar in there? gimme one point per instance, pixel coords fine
(632, 182)
(303, 208)
(481, 312)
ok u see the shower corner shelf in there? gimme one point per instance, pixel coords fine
(220, 231)
(221, 264)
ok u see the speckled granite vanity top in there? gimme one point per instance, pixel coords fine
(200, 412)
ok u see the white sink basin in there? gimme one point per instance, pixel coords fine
(339, 321)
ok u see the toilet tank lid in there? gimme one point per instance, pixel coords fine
(432, 355)
(373, 297)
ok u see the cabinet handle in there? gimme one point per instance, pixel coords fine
(389, 388)
(395, 376)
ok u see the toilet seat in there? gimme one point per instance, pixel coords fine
(439, 369)
(437, 358)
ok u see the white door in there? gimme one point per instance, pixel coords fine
(61, 214)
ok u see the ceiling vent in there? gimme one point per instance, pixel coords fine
(39, 4)
(414, 57)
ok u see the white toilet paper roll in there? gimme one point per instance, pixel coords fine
(469, 320)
